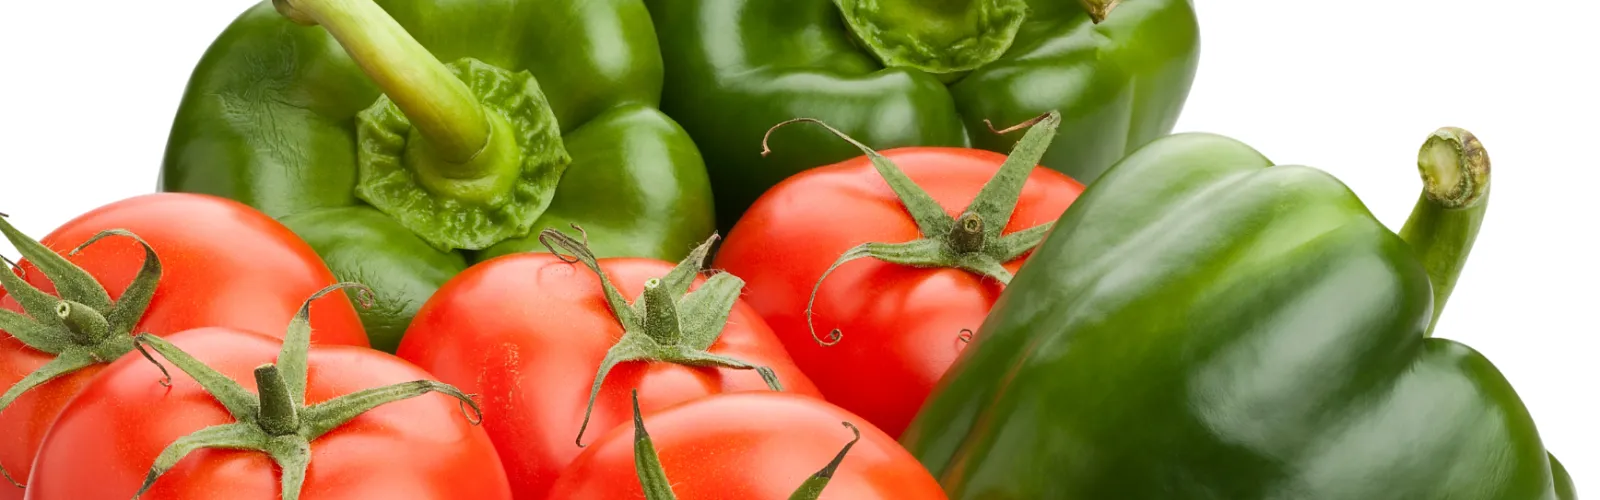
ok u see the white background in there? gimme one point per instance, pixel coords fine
(88, 89)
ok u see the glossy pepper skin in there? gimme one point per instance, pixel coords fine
(737, 67)
(273, 117)
(1202, 324)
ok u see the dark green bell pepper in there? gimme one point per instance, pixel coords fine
(401, 170)
(1202, 324)
(895, 73)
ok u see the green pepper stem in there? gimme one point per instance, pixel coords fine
(1099, 10)
(936, 36)
(278, 415)
(1444, 224)
(438, 104)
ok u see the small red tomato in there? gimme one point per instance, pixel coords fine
(937, 231)
(209, 262)
(748, 446)
(537, 336)
(324, 422)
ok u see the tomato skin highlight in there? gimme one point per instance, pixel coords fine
(750, 446)
(224, 264)
(107, 439)
(902, 327)
(527, 332)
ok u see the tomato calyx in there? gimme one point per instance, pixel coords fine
(653, 477)
(276, 420)
(972, 242)
(666, 323)
(81, 328)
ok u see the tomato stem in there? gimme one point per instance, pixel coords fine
(654, 328)
(967, 234)
(660, 314)
(81, 328)
(275, 420)
(974, 243)
(85, 326)
(646, 462)
(1444, 223)
(812, 488)
(653, 477)
(278, 415)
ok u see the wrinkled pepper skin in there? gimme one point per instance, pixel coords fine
(1202, 324)
(269, 119)
(735, 68)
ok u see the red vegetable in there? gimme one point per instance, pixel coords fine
(749, 446)
(537, 336)
(210, 262)
(959, 222)
(325, 422)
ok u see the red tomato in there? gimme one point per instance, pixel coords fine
(107, 439)
(224, 264)
(527, 333)
(750, 446)
(901, 326)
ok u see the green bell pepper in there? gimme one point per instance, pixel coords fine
(402, 170)
(1202, 324)
(895, 73)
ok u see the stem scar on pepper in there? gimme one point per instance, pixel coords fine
(666, 323)
(276, 420)
(82, 327)
(973, 242)
(653, 477)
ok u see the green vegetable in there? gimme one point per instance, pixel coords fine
(1202, 324)
(896, 73)
(407, 139)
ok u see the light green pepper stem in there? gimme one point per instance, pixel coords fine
(1445, 222)
(436, 102)
(936, 36)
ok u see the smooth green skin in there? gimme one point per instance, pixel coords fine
(1200, 326)
(268, 119)
(735, 68)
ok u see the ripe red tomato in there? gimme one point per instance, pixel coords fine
(750, 446)
(224, 264)
(107, 439)
(528, 332)
(902, 326)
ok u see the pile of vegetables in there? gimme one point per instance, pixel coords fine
(576, 249)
